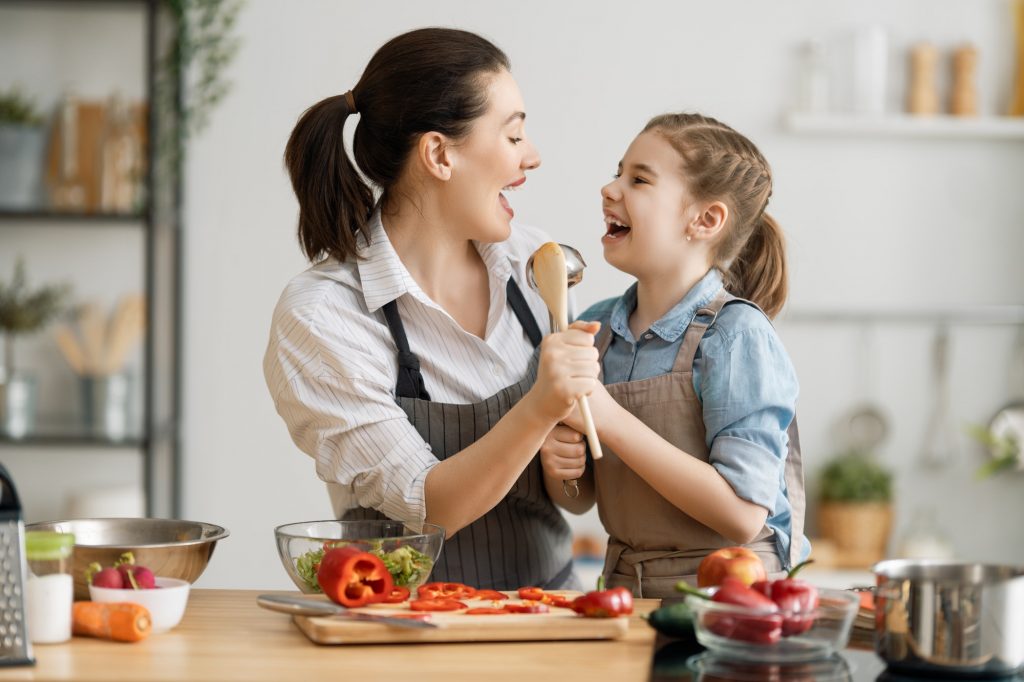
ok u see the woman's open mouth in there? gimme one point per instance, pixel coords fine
(503, 200)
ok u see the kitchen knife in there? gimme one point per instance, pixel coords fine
(298, 606)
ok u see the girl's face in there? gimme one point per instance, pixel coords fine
(490, 162)
(647, 209)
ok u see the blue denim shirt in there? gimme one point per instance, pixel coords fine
(743, 378)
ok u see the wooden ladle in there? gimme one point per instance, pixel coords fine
(548, 274)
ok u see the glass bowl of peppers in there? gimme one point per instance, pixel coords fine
(408, 551)
(772, 621)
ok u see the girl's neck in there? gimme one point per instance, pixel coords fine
(658, 294)
(432, 249)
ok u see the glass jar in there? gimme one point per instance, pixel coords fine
(50, 590)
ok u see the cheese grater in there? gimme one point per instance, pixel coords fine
(15, 648)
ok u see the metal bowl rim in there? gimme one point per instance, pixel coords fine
(219, 532)
(913, 569)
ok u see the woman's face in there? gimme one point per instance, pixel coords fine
(645, 209)
(490, 162)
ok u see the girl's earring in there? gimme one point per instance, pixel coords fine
(689, 237)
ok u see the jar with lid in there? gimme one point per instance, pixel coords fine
(50, 589)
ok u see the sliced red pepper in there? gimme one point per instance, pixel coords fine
(486, 611)
(351, 577)
(557, 600)
(490, 595)
(531, 593)
(445, 591)
(397, 595)
(602, 603)
(436, 605)
(527, 607)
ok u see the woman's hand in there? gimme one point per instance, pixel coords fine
(563, 455)
(568, 369)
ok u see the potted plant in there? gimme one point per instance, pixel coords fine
(856, 508)
(22, 311)
(22, 142)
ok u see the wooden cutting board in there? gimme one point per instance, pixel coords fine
(557, 624)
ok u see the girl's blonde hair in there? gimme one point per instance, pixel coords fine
(720, 164)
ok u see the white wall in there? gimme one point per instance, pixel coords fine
(872, 222)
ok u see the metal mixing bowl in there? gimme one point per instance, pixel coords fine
(168, 547)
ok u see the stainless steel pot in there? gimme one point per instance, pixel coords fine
(950, 617)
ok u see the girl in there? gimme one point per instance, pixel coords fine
(697, 413)
(401, 360)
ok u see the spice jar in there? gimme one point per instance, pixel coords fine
(50, 590)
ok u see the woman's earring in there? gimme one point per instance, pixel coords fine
(689, 237)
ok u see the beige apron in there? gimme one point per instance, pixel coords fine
(652, 543)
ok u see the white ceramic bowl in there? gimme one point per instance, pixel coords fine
(166, 602)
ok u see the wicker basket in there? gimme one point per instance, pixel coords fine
(860, 530)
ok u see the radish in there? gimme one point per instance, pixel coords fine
(133, 576)
(104, 577)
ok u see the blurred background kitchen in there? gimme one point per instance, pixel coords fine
(147, 230)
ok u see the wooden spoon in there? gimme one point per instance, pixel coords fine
(549, 277)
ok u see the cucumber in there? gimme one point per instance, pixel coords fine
(674, 620)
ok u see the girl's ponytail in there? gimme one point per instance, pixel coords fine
(758, 273)
(334, 201)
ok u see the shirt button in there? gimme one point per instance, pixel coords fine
(648, 336)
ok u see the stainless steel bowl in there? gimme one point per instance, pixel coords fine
(950, 617)
(168, 547)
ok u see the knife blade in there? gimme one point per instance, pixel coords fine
(298, 606)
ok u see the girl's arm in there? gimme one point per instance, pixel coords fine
(563, 458)
(693, 486)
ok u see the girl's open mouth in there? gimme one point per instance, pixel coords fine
(614, 229)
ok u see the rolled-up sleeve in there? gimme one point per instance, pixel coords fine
(326, 390)
(748, 388)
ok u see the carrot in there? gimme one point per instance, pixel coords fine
(120, 621)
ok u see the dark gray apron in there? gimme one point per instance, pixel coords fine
(524, 540)
(653, 544)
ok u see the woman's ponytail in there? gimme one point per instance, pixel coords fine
(758, 273)
(334, 201)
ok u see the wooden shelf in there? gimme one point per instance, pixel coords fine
(65, 217)
(904, 125)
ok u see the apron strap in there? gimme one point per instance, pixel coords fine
(702, 319)
(522, 312)
(410, 379)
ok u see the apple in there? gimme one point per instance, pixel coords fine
(736, 562)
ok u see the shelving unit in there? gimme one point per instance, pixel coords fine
(158, 442)
(1012, 315)
(904, 125)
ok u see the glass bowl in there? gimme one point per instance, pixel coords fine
(166, 602)
(409, 552)
(731, 631)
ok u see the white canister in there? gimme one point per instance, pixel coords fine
(49, 593)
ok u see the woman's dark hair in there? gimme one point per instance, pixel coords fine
(427, 80)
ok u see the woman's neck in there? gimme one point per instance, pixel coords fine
(432, 249)
(658, 294)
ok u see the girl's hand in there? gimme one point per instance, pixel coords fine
(563, 454)
(568, 369)
(602, 408)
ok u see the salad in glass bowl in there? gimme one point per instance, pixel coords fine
(408, 551)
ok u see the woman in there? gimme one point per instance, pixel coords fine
(402, 361)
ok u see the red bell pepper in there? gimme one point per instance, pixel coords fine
(351, 577)
(602, 603)
(763, 628)
(797, 599)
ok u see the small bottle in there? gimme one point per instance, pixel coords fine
(50, 590)
(813, 79)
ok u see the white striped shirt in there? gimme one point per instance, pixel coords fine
(331, 365)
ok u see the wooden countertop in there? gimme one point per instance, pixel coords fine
(226, 636)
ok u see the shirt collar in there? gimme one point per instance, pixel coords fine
(385, 278)
(672, 324)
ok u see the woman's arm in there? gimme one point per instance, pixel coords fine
(465, 486)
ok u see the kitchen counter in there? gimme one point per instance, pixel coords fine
(226, 636)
